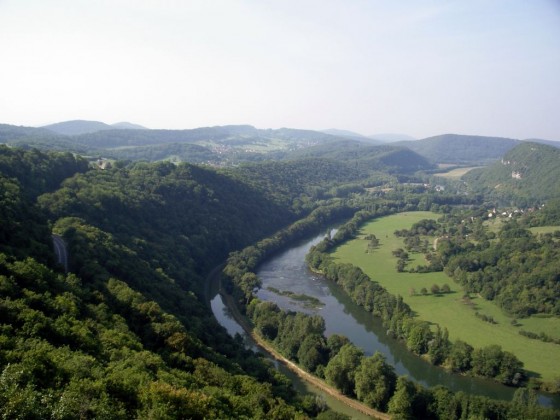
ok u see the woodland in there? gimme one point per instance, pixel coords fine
(127, 331)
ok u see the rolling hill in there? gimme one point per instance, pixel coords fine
(77, 127)
(526, 174)
(388, 158)
(461, 149)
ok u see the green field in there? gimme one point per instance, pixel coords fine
(449, 310)
(456, 173)
(544, 229)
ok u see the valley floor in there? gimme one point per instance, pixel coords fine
(450, 310)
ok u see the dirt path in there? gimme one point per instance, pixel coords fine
(241, 320)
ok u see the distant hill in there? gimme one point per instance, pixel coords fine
(127, 125)
(367, 157)
(10, 133)
(553, 143)
(77, 127)
(527, 173)
(349, 135)
(391, 137)
(461, 149)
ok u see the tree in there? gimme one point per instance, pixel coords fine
(341, 369)
(400, 405)
(439, 346)
(419, 337)
(312, 352)
(435, 289)
(460, 356)
(335, 342)
(375, 381)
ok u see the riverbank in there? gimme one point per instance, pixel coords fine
(306, 376)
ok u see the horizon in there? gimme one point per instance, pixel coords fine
(486, 69)
(366, 136)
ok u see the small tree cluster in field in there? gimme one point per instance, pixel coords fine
(434, 289)
(485, 318)
(402, 256)
(373, 242)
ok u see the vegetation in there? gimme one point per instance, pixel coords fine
(455, 311)
(527, 175)
(300, 337)
(461, 149)
(126, 333)
(398, 317)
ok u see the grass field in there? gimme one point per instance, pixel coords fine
(456, 173)
(450, 310)
(544, 229)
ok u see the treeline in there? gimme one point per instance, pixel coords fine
(240, 277)
(397, 317)
(300, 337)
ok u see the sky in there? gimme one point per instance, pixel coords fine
(420, 68)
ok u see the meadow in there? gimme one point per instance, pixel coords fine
(456, 173)
(449, 310)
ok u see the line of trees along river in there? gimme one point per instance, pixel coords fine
(287, 271)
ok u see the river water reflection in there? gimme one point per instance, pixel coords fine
(287, 271)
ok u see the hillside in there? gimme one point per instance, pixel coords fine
(461, 149)
(75, 127)
(528, 173)
(127, 125)
(10, 133)
(366, 157)
(390, 137)
(127, 333)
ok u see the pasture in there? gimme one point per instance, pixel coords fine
(449, 310)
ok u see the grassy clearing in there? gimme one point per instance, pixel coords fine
(544, 229)
(456, 173)
(450, 310)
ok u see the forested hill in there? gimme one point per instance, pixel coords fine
(461, 149)
(527, 174)
(366, 157)
(75, 127)
(126, 334)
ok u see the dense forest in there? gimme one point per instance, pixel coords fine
(127, 331)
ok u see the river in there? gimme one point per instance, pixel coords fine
(287, 271)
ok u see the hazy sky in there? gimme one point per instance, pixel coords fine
(488, 67)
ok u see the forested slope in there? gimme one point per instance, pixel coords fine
(367, 157)
(461, 149)
(126, 333)
(526, 175)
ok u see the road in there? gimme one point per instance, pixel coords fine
(61, 251)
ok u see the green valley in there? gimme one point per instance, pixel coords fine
(450, 310)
